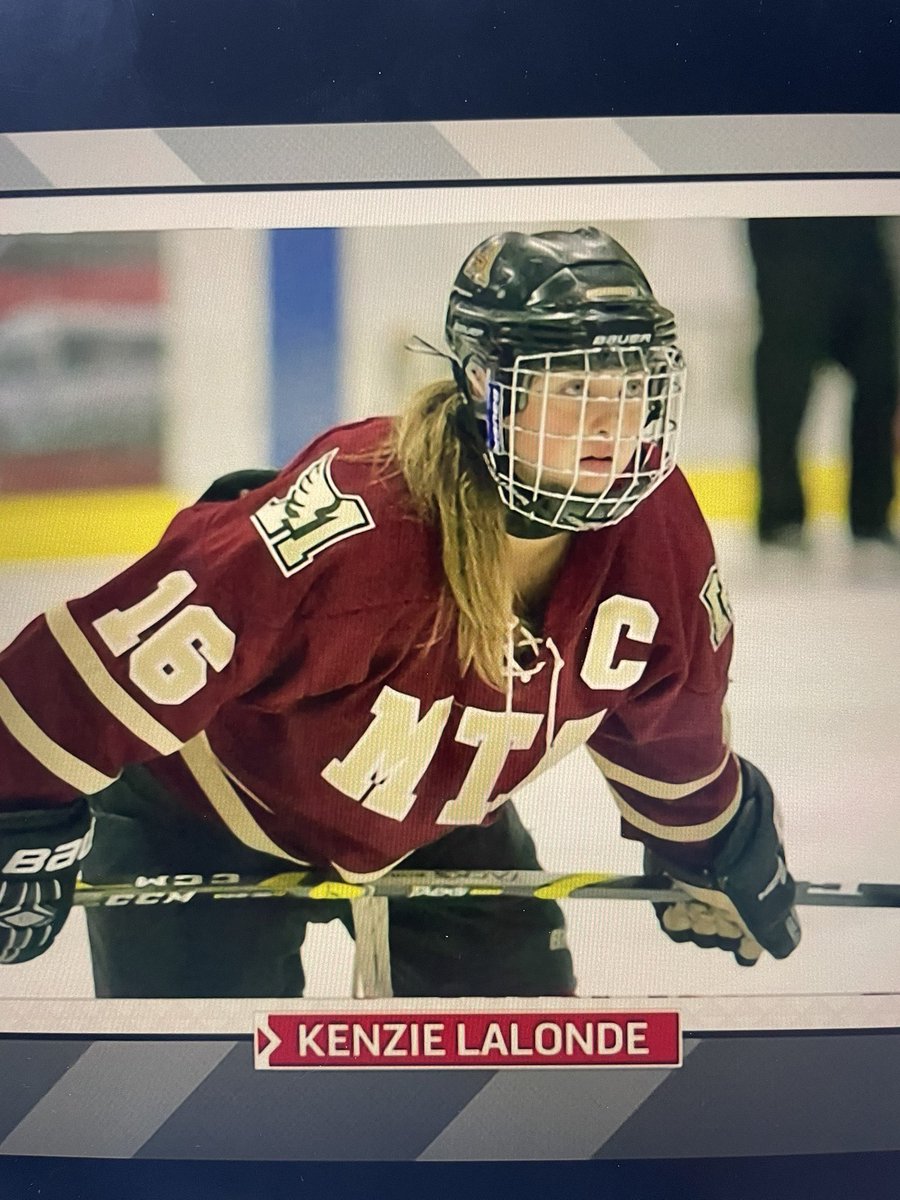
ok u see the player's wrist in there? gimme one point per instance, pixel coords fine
(748, 874)
(35, 828)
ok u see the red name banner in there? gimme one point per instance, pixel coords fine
(504, 1039)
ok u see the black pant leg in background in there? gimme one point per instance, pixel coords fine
(794, 314)
(826, 294)
(866, 347)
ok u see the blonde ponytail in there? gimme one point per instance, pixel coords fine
(450, 486)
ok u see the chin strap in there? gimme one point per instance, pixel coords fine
(518, 525)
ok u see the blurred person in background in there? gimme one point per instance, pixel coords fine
(826, 295)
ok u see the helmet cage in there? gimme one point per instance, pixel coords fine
(575, 439)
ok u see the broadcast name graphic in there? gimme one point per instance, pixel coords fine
(304, 1040)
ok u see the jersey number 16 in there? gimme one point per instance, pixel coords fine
(172, 663)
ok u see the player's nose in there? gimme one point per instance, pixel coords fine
(602, 418)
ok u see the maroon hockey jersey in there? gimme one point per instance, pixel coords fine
(273, 660)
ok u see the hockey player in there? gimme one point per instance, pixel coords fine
(356, 661)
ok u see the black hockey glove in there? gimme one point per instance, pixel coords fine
(40, 851)
(744, 899)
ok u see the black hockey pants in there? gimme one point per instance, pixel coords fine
(234, 948)
(825, 295)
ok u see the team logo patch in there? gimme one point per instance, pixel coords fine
(311, 517)
(478, 266)
(718, 607)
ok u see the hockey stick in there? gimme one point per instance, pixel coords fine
(449, 885)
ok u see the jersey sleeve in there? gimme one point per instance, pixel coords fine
(138, 667)
(665, 753)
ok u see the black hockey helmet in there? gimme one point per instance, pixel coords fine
(570, 306)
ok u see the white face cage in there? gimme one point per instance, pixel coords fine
(576, 439)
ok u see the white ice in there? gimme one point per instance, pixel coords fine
(815, 702)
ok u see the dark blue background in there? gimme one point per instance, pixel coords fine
(79, 64)
(70, 64)
(814, 1177)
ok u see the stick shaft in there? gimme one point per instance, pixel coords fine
(432, 885)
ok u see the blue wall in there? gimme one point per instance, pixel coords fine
(305, 337)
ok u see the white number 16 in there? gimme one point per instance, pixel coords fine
(172, 664)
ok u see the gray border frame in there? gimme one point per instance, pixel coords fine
(196, 1098)
(450, 152)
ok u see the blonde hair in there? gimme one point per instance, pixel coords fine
(451, 487)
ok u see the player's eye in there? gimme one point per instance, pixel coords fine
(572, 386)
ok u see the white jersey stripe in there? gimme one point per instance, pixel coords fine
(679, 833)
(111, 695)
(215, 781)
(656, 789)
(59, 762)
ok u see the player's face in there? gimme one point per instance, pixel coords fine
(578, 429)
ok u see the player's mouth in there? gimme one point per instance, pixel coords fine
(601, 462)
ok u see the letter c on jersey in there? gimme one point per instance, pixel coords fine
(615, 616)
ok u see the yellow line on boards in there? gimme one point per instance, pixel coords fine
(84, 524)
(129, 521)
(730, 493)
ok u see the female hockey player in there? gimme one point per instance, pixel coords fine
(357, 660)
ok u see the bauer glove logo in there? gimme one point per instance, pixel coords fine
(44, 860)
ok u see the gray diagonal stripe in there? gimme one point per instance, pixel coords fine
(765, 144)
(114, 1098)
(561, 147)
(773, 1095)
(348, 1116)
(556, 1113)
(318, 153)
(35, 1064)
(16, 170)
(104, 158)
